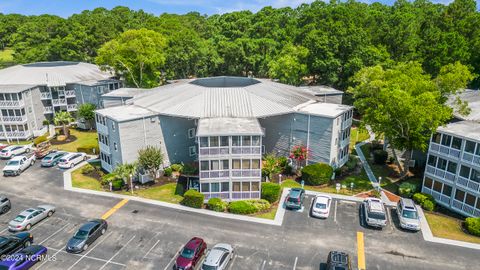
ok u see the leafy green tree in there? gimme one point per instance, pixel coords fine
(87, 112)
(150, 159)
(64, 119)
(405, 104)
(289, 67)
(137, 55)
(125, 171)
(271, 165)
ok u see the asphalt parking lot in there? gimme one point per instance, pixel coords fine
(142, 236)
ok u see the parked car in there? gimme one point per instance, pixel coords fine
(190, 255)
(218, 257)
(321, 206)
(86, 235)
(14, 150)
(338, 261)
(72, 159)
(3, 145)
(24, 259)
(408, 215)
(52, 159)
(10, 244)
(5, 205)
(16, 165)
(375, 214)
(295, 198)
(43, 149)
(26, 219)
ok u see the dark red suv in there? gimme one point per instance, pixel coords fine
(190, 254)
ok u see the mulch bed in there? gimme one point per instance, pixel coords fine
(392, 197)
(70, 139)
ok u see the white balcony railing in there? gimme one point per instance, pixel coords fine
(247, 173)
(245, 195)
(104, 148)
(347, 123)
(72, 107)
(214, 174)
(467, 209)
(59, 102)
(45, 95)
(438, 196)
(48, 109)
(440, 173)
(15, 134)
(471, 158)
(214, 151)
(11, 103)
(102, 129)
(221, 195)
(254, 150)
(12, 119)
(70, 93)
(444, 150)
(470, 184)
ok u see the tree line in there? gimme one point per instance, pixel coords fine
(325, 42)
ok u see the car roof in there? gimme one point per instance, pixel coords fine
(375, 205)
(33, 249)
(215, 255)
(339, 257)
(295, 192)
(89, 225)
(68, 155)
(322, 198)
(9, 147)
(28, 211)
(17, 158)
(194, 242)
(55, 153)
(3, 197)
(408, 203)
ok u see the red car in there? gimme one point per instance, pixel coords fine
(190, 254)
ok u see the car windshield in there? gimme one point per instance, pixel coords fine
(4, 150)
(19, 218)
(376, 215)
(208, 267)
(13, 162)
(320, 206)
(81, 234)
(187, 253)
(409, 214)
(47, 158)
(2, 267)
(63, 160)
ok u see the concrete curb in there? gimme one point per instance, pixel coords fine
(67, 184)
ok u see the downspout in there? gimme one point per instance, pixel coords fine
(144, 132)
(308, 139)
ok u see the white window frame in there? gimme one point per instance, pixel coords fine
(192, 150)
(115, 146)
(191, 133)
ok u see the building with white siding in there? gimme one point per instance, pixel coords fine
(224, 125)
(32, 93)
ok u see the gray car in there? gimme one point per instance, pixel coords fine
(26, 219)
(408, 215)
(218, 257)
(52, 159)
(5, 204)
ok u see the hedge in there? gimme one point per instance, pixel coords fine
(87, 169)
(89, 149)
(216, 204)
(177, 167)
(193, 198)
(473, 225)
(117, 184)
(317, 174)
(380, 157)
(426, 201)
(248, 207)
(167, 172)
(40, 139)
(407, 189)
(270, 192)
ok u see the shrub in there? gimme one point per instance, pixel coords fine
(193, 198)
(117, 184)
(391, 160)
(242, 208)
(89, 149)
(46, 122)
(351, 163)
(317, 174)
(428, 205)
(216, 204)
(167, 172)
(375, 145)
(270, 192)
(426, 201)
(109, 177)
(87, 169)
(380, 157)
(189, 169)
(260, 205)
(407, 189)
(473, 225)
(177, 167)
(40, 139)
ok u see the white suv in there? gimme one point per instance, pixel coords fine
(70, 160)
(375, 214)
(408, 215)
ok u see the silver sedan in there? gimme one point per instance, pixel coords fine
(26, 219)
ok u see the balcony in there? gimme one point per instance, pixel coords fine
(48, 109)
(104, 148)
(72, 107)
(214, 151)
(102, 129)
(437, 196)
(70, 93)
(59, 102)
(221, 195)
(214, 174)
(12, 103)
(14, 119)
(246, 195)
(467, 183)
(465, 208)
(444, 150)
(255, 150)
(15, 134)
(45, 95)
(471, 158)
(347, 123)
(247, 173)
(344, 143)
(438, 173)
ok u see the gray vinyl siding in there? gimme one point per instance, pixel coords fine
(176, 141)
(116, 156)
(320, 139)
(107, 102)
(88, 94)
(35, 116)
(277, 133)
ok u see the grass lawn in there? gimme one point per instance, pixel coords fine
(270, 214)
(6, 55)
(84, 138)
(83, 181)
(164, 193)
(449, 227)
(357, 135)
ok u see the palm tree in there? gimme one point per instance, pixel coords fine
(124, 171)
(63, 118)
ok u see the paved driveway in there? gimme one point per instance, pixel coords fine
(143, 236)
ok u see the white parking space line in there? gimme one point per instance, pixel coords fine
(295, 264)
(174, 257)
(4, 230)
(53, 256)
(335, 213)
(115, 255)
(263, 264)
(34, 227)
(53, 234)
(232, 262)
(86, 257)
(389, 215)
(90, 250)
(150, 250)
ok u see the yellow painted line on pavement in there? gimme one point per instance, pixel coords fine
(361, 251)
(115, 208)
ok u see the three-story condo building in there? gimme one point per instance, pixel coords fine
(224, 125)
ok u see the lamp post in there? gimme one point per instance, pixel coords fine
(379, 183)
(131, 183)
(280, 178)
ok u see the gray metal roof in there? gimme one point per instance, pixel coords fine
(322, 90)
(473, 99)
(52, 73)
(228, 126)
(463, 129)
(125, 113)
(15, 88)
(126, 92)
(325, 109)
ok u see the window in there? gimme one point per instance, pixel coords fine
(465, 171)
(475, 176)
(245, 186)
(213, 141)
(432, 160)
(255, 186)
(456, 143)
(256, 140)
(215, 187)
(214, 165)
(246, 141)
(236, 186)
(225, 165)
(204, 187)
(437, 137)
(192, 150)
(29, 109)
(236, 164)
(459, 195)
(478, 204)
(470, 147)
(470, 199)
(225, 186)
(256, 164)
(203, 141)
(442, 164)
(437, 186)
(236, 141)
(452, 167)
(428, 182)
(113, 126)
(204, 165)
(447, 190)
(224, 141)
(191, 133)
(446, 140)
(245, 164)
